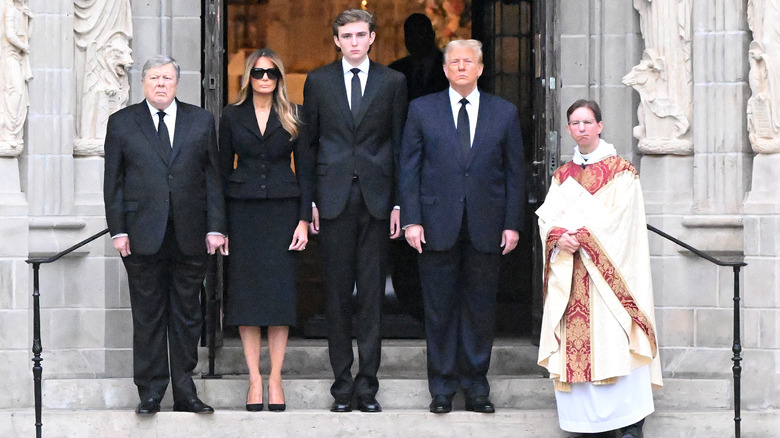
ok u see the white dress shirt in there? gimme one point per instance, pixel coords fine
(472, 109)
(362, 75)
(170, 117)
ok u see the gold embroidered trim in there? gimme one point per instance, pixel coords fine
(607, 381)
(562, 386)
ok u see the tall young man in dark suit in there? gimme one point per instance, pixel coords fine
(165, 212)
(462, 202)
(354, 111)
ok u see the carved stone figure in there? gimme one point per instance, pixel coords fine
(15, 73)
(663, 77)
(763, 107)
(103, 31)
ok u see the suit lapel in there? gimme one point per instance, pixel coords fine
(272, 124)
(183, 122)
(339, 93)
(483, 117)
(143, 117)
(247, 118)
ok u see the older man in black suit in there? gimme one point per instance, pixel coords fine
(355, 110)
(165, 212)
(462, 202)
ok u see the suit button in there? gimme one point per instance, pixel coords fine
(262, 166)
(463, 199)
(262, 176)
(262, 187)
(467, 174)
(170, 176)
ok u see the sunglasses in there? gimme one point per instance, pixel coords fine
(273, 73)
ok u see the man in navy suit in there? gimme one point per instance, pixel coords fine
(354, 110)
(462, 202)
(165, 212)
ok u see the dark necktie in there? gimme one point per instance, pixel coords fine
(464, 131)
(162, 131)
(356, 93)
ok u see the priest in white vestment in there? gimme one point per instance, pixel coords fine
(598, 337)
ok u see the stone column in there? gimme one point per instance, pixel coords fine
(762, 207)
(598, 44)
(15, 292)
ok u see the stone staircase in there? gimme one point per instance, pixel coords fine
(523, 396)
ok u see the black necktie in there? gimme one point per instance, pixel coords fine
(464, 131)
(357, 92)
(162, 131)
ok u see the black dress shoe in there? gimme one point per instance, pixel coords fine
(341, 404)
(193, 405)
(368, 403)
(148, 407)
(480, 403)
(441, 404)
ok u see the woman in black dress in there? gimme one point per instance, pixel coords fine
(267, 205)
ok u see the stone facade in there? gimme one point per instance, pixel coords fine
(721, 197)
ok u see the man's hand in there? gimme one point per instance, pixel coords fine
(568, 242)
(509, 240)
(395, 223)
(314, 226)
(415, 236)
(122, 244)
(215, 242)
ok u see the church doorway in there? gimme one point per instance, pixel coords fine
(518, 39)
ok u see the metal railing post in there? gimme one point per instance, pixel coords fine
(737, 350)
(737, 347)
(37, 349)
(213, 282)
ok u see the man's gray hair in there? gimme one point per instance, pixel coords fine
(159, 61)
(474, 45)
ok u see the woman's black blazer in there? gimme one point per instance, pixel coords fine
(263, 167)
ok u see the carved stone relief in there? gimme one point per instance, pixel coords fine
(663, 77)
(15, 74)
(103, 30)
(763, 107)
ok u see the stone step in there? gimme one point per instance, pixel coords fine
(305, 423)
(518, 392)
(400, 358)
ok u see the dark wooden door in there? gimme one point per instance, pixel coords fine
(518, 39)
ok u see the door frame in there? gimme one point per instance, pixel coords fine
(545, 155)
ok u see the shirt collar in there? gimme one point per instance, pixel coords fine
(170, 111)
(602, 151)
(472, 97)
(363, 66)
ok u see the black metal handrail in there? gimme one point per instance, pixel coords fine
(737, 347)
(37, 348)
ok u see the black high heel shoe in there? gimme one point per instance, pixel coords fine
(276, 407)
(254, 407)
